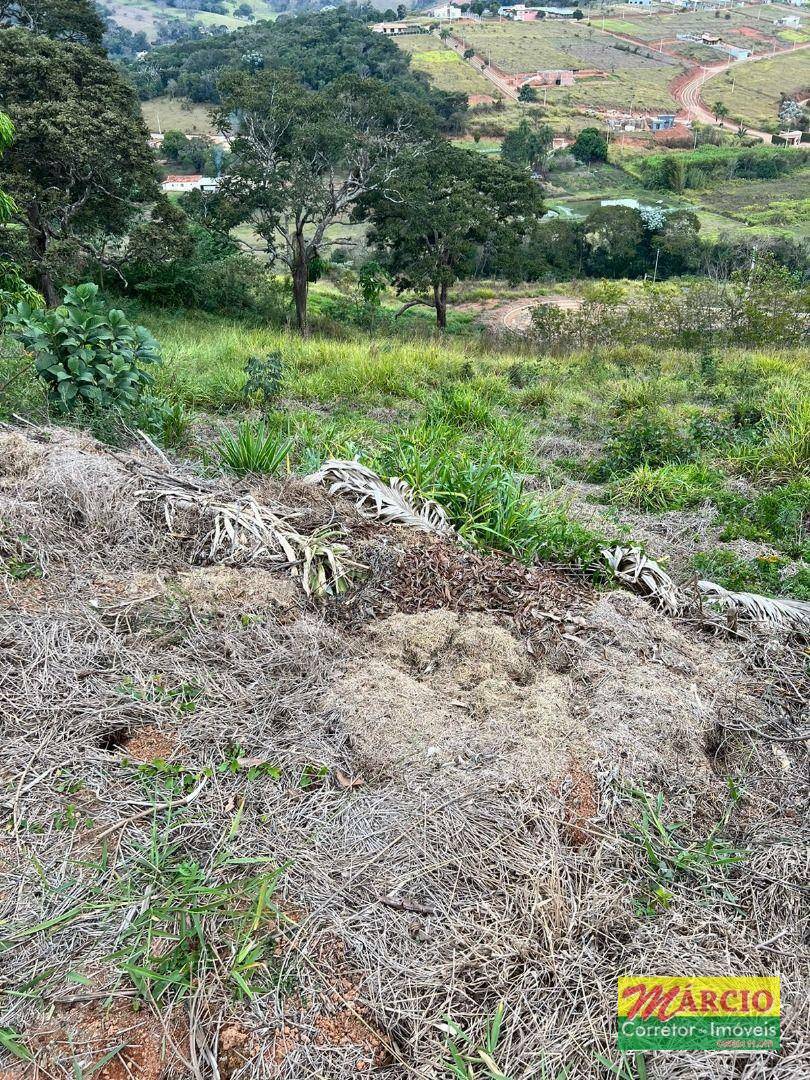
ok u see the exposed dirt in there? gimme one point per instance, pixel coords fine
(441, 767)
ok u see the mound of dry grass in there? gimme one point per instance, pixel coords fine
(251, 833)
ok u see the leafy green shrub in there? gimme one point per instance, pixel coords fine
(670, 487)
(780, 517)
(767, 574)
(645, 436)
(87, 354)
(265, 375)
(252, 448)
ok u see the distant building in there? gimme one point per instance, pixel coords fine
(662, 122)
(791, 138)
(554, 77)
(710, 39)
(394, 29)
(789, 20)
(446, 11)
(190, 183)
(558, 13)
(640, 3)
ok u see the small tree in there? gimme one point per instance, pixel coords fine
(528, 145)
(720, 110)
(527, 94)
(402, 11)
(577, 15)
(590, 145)
(449, 206)
(469, 54)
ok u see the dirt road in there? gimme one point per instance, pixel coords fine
(690, 92)
(515, 316)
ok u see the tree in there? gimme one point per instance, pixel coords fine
(447, 209)
(590, 145)
(577, 15)
(527, 94)
(614, 238)
(402, 11)
(302, 159)
(528, 145)
(64, 20)
(80, 163)
(469, 54)
(12, 287)
(720, 110)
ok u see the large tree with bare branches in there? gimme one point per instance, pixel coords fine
(302, 159)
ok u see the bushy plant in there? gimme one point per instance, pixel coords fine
(265, 375)
(644, 436)
(670, 487)
(780, 516)
(87, 353)
(252, 448)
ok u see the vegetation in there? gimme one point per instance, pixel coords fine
(85, 183)
(86, 353)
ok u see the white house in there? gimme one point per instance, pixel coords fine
(190, 183)
(789, 20)
(640, 3)
(446, 11)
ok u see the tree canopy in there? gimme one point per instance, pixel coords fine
(319, 48)
(590, 145)
(446, 209)
(301, 158)
(64, 20)
(80, 162)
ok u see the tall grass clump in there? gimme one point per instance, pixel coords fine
(252, 448)
(669, 487)
(485, 501)
(783, 449)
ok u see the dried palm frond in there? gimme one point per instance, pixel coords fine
(392, 502)
(644, 576)
(243, 530)
(782, 613)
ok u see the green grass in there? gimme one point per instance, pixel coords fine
(757, 87)
(670, 487)
(177, 114)
(633, 78)
(770, 575)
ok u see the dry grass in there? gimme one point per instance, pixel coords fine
(391, 899)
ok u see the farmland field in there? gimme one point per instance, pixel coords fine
(176, 114)
(747, 27)
(757, 87)
(634, 79)
(445, 68)
(143, 15)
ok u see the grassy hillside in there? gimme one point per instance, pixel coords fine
(757, 87)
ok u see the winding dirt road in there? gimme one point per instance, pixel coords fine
(690, 92)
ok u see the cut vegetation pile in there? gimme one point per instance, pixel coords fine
(366, 801)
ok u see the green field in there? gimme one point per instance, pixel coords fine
(143, 15)
(757, 87)
(444, 66)
(177, 114)
(634, 79)
(747, 27)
